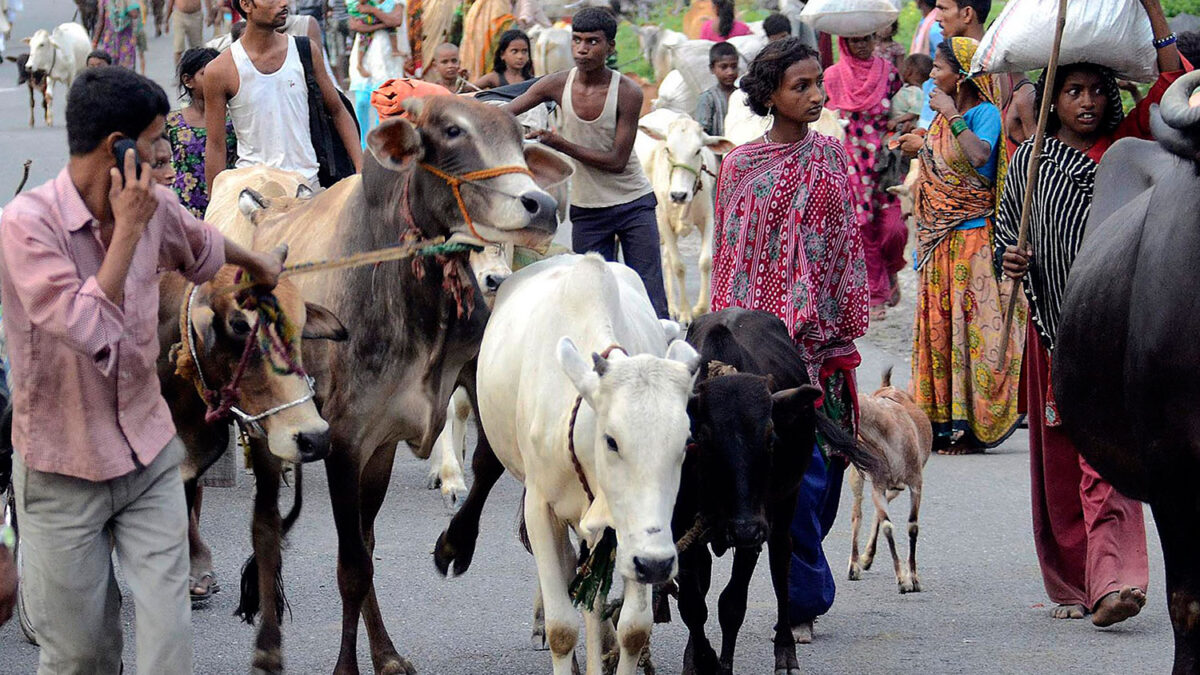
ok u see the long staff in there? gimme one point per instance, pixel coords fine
(1035, 164)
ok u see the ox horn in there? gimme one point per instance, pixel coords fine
(1175, 109)
(1176, 141)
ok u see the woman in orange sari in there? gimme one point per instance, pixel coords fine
(959, 376)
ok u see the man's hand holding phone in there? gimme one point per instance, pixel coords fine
(132, 197)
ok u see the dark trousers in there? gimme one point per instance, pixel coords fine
(635, 225)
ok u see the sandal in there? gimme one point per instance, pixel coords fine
(207, 583)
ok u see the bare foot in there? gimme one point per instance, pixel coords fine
(1118, 606)
(1068, 612)
(895, 297)
(878, 313)
(803, 632)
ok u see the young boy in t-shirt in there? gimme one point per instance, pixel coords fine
(714, 101)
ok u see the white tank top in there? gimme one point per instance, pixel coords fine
(590, 187)
(270, 115)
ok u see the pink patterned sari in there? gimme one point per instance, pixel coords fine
(786, 241)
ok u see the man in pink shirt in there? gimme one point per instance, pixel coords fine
(97, 463)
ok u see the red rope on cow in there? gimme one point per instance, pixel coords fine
(583, 481)
(219, 402)
(456, 182)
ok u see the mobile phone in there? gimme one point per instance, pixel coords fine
(120, 149)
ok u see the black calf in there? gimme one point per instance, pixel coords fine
(753, 425)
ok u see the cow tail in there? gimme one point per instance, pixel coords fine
(522, 529)
(841, 442)
(249, 600)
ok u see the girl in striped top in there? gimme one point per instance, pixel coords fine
(1091, 540)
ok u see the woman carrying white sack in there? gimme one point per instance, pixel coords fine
(1090, 540)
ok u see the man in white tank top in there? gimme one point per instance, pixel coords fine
(611, 198)
(259, 81)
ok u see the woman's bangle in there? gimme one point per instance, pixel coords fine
(958, 126)
(1166, 42)
(956, 117)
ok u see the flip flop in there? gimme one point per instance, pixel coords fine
(213, 587)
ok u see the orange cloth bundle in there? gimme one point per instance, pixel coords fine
(389, 97)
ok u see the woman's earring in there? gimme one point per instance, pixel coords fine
(1051, 107)
(771, 114)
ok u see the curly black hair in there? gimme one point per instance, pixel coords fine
(766, 71)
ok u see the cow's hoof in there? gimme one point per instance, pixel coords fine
(905, 587)
(866, 561)
(855, 572)
(453, 497)
(537, 639)
(916, 585)
(397, 666)
(434, 482)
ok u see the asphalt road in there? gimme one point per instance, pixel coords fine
(983, 608)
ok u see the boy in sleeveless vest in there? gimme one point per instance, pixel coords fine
(611, 198)
(260, 81)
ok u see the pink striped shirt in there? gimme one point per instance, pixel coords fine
(86, 400)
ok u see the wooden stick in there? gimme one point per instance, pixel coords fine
(1035, 163)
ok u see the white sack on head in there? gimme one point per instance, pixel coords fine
(676, 94)
(850, 18)
(1111, 33)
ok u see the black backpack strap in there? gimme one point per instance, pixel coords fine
(304, 50)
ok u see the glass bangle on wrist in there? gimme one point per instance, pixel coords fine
(8, 537)
(1166, 42)
(958, 126)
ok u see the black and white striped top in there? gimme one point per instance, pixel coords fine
(1058, 216)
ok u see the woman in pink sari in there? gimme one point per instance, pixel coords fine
(860, 86)
(785, 241)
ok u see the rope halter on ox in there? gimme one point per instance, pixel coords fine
(699, 174)
(473, 177)
(223, 402)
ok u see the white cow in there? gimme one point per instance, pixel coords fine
(743, 126)
(621, 466)
(656, 44)
(551, 50)
(491, 267)
(681, 162)
(61, 55)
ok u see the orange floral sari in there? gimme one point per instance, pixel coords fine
(960, 378)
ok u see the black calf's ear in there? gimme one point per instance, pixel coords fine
(322, 324)
(789, 404)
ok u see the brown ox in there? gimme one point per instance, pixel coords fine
(220, 328)
(416, 322)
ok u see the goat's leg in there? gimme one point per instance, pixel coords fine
(868, 556)
(33, 103)
(695, 577)
(731, 608)
(546, 537)
(856, 495)
(914, 511)
(881, 501)
(355, 568)
(268, 545)
(779, 554)
(374, 480)
(48, 102)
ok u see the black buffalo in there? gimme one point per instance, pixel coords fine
(1126, 370)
